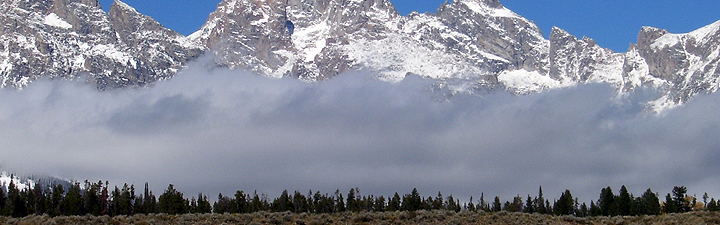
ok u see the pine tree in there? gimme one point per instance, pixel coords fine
(340, 203)
(58, 195)
(529, 205)
(3, 202)
(565, 205)
(412, 201)
(497, 206)
(713, 205)
(91, 197)
(607, 202)
(352, 203)
(241, 201)
(540, 203)
(648, 203)
(256, 205)
(172, 202)
(394, 203)
(583, 211)
(681, 205)
(300, 203)
(594, 209)
(437, 203)
(379, 205)
(203, 205)
(72, 203)
(482, 205)
(16, 206)
(471, 205)
(222, 205)
(452, 204)
(624, 202)
(670, 206)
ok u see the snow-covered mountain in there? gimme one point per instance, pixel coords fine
(77, 39)
(476, 43)
(22, 182)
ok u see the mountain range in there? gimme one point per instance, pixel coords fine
(469, 45)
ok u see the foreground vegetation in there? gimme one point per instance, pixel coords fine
(397, 217)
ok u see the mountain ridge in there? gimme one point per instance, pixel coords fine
(479, 42)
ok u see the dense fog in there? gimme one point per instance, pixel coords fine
(216, 130)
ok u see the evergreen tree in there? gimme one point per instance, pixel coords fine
(515, 206)
(123, 200)
(193, 206)
(482, 205)
(340, 203)
(105, 199)
(529, 205)
(548, 206)
(497, 206)
(300, 203)
(30, 200)
(670, 206)
(648, 203)
(681, 205)
(222, 205)
(172, 202)
(3, 202)
(203, 205)
(412, 201)
(91, 197)
(565, 205)
(583, 211)
(58, 196)
(379, 205)
(607, 202)
(145, 203)
(72, 203)
(352, 202)
(713, 205)
(452, 204)
(471, 205)
(624, 202)
(394, 203)
(540, 203)
(16, 201)
(242, 203)
(437, 203)
(594, 209)
(258, 204)
(282, 203)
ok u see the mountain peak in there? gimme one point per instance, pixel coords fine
(475, 41)
(648, 35)
(490, 3)
(492, 8)
(118, 4)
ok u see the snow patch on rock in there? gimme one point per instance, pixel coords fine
(54, 20)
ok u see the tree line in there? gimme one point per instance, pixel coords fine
(99, 199)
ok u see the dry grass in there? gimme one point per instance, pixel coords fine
(419, 217)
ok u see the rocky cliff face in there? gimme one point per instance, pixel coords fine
(76, 39)
(472, 43)
(683, 65)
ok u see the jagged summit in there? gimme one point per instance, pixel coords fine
(73, 39)
(479, 43)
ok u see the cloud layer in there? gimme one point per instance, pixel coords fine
(215, 130)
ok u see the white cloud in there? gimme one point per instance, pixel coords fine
(219, 131)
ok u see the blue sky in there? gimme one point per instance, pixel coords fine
(613, 24)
